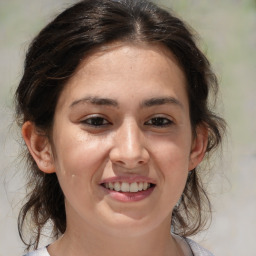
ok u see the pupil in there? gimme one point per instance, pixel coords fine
(157, 121)
(97, 121)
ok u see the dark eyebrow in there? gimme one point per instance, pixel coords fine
(161, 101)
(96, 101)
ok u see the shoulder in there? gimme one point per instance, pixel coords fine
(197, 249)
(40, 252)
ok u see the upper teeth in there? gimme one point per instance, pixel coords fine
(127, 187)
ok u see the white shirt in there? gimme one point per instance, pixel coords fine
(189, 247)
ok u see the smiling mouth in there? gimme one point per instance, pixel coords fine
(128, 187)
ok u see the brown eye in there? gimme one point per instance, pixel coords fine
(95, 121)
(159, 121)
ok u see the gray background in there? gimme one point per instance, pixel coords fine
(228, 37)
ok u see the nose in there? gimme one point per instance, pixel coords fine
(129, 149)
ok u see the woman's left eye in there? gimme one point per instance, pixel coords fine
(95, 121)
(159, 121)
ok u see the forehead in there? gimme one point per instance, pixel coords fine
(132, 54)
(138, 67)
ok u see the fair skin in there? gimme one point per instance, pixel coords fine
(121, 124)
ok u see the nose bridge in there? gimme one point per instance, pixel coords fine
(129, 138)
(129, 148)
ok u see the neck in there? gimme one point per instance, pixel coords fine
(89, 242)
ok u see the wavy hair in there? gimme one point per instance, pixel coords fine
(51, 60)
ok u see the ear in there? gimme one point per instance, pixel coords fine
(199, 146)
(39, 147)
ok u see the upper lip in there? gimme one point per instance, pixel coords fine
(128, 179)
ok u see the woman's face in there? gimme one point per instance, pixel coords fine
(122, 140)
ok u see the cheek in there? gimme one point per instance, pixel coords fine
(79, 154)
(80, 161)
(174, 167)
(172, 160)
(172, 152)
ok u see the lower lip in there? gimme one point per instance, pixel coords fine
(129, 196)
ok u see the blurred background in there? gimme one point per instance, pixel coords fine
(227, 32)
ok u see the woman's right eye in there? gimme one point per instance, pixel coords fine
(96, 121)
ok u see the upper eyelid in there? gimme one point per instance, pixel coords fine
(93, 116)
(161, 116)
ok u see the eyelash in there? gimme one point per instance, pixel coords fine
(95, 121)
(98, 121)
(164, 122)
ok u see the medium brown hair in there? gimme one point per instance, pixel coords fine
(52, 59)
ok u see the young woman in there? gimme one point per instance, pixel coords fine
(114, 111)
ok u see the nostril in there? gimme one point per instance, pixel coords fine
(119, 162)
(128, 158)
(128, 162)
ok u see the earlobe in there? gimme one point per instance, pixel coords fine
(39, 147)
(199, 146)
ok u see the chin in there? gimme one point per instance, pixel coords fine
(130, 225)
